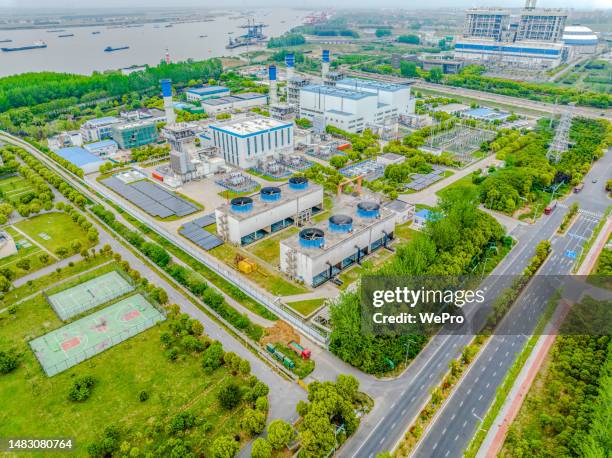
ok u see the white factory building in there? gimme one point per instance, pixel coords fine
(580, 39)
(98, 129)
(203, 93)
(318, 253)
(242, 101)
(352, 104)
(246, 142)
(247, 219)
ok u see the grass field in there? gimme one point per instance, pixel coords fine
(59, 228)
(35, 405)
(268, 249)
(268, 280)
(11, 188)
(306, 307)
(464, 181)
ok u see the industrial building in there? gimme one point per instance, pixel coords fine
(354, 103)
(134, 134)
(580, 39)
(533, 39)
(98, 129)
(82, 158)
(244, 101)
(247, 219)
(103, 148)
(318, 253)
(203, 93)
(246, 142)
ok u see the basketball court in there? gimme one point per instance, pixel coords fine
(67, 346)
(88, 295)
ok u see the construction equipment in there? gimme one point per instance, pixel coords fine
(287, 362)
(245, 265)
(296, 347)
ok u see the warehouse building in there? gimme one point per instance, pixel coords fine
(103, 148)
(82, 158)
(98, 129)
(246, 142)
(243, 101)
(134, 134)
(319, 253)
(247, 219)
(354, 103)
(203, 93)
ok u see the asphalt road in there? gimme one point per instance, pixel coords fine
(403, 398)
(456, 423)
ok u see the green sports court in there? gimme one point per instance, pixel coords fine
(88, 295)
(75, 342)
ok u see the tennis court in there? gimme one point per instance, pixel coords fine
(88, 295)
(75, 342)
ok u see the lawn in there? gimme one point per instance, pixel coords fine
(268, 249)
(306, 307)
(59, 228)
(463, 181)
(404, 232)
(11, 188)
(229, 194)
(372, 261)
(34, 405)
(270, 281)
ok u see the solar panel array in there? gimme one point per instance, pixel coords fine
(421, 181)
(152, 198)
(194, 231)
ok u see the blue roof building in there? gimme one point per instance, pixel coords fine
(81, 158)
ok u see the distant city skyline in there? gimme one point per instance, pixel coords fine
(84, 4)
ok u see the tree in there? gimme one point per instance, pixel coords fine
(213, 356)
(280, 433)
(383, 33)
(23, 264)
(75, 245)
(409, 39)
(229, 395)
(261, 449)
(8, 362)
(43, 258)
(81, 388)
(435, 75)
(224, 447)
(253, 422)
(408, 69)
(61, 251)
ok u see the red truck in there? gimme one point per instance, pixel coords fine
(551, 206)
(296, 347)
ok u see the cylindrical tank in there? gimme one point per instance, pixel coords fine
(270, 194)
(341, 223)
(368, 209)
(242, 204)
(311, 237)
(298, 183)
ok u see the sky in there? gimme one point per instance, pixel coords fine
(408, 4)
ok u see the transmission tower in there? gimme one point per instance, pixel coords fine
(560, 142)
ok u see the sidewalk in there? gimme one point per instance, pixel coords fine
(496, 435)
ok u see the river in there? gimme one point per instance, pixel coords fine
(84, 52)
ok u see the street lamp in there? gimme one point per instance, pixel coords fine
(407, 345)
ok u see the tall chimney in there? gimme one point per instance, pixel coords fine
(166, 86)
(290, 63)
(272, 96)
(325, 63)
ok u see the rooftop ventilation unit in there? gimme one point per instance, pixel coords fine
(311, 237)
(368, 209)
(270, 194)
(242, 204)
(298, 183)
(341, 223)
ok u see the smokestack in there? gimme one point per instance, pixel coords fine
(325, 63)
(166, 86)
(290, 63)
(272, 96)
